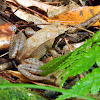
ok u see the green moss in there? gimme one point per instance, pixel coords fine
(16, 93)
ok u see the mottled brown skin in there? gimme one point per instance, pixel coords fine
(28, 67)
(33, 48)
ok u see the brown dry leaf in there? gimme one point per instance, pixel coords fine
(70, 15)
(18, 75)
(77, 15)
(51, 10)
(6, 65)
(7, 30)
(7, 76)
(29, 17)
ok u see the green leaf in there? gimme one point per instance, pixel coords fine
(87, 60)
(64, 92)
(98, 59)
(75, 63)
(52, 65)
(90, 83)
(59, 63)
(96, 37)
(67, 95)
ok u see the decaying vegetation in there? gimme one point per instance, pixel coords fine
(51, 45)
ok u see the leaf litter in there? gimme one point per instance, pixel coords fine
(59, 20)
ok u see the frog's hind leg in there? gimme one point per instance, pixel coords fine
(28, 71)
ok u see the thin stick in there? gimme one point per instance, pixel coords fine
(84, 29)
(4, 54)
(68, 44)
(59, 2)
(91, 20)
(81, 2)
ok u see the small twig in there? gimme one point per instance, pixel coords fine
(71, 1)
(79, 27)
(4, 54)
(91, 21)
(59, 2)
(42, 84)
(6, 18)
(81, 2)
(33, 25)
(17, 9)
(68, 44)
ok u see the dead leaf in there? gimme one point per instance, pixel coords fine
(51, 10)
(29, 17)
(69, 15)
(77, 15)
(6, 65)
(7, 30)
(18, 75)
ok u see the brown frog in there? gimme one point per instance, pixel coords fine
(27, 51)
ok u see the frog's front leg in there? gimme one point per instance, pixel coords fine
(30, 69)
(16, 44)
